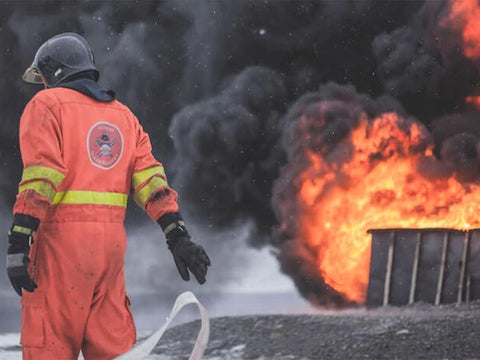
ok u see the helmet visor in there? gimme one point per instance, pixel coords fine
(32, 75)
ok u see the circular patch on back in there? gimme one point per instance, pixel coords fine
(104, 145)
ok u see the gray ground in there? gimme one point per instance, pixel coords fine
(413, 332)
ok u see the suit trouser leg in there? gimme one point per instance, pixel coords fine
(81, 296)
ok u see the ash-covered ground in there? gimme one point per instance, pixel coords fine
(418, 331)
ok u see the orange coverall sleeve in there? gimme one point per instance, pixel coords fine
(149, 182)
(43, 166)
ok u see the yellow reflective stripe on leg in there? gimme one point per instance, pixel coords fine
(143, 175)
(41, 187)
(23, 230)
(42, 172)
(145, 192)
(91, 197)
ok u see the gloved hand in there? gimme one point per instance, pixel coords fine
(189, 255)
(19, 239)
(17, 262)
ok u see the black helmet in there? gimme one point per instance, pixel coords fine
(60, 57)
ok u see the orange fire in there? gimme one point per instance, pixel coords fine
(465, 17)
(379, 186)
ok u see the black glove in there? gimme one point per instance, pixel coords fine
(20, 239)
(187, 254)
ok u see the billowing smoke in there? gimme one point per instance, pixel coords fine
(227, 151)
(232, 92)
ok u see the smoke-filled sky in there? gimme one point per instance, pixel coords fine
(221, 86)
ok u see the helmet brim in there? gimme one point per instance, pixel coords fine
(32, 76)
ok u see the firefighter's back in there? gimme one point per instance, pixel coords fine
(97, 142)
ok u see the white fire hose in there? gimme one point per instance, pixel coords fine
(142, 350)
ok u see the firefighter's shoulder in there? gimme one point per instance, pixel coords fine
(41, 96)
(41, 99)
(57, 95)
(47, 97)
(55, 98)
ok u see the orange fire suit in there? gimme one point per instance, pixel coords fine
(82, 158)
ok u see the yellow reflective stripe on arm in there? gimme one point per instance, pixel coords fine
(143, 175)
(173, 226)
(42, 172)
(41, 187)
(91, 197)
(23, 230)
(145, 192)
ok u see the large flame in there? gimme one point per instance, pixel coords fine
(379, 186)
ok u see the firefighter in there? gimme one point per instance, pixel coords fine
(83, 153)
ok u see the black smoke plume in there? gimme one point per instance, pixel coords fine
(227, 150)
